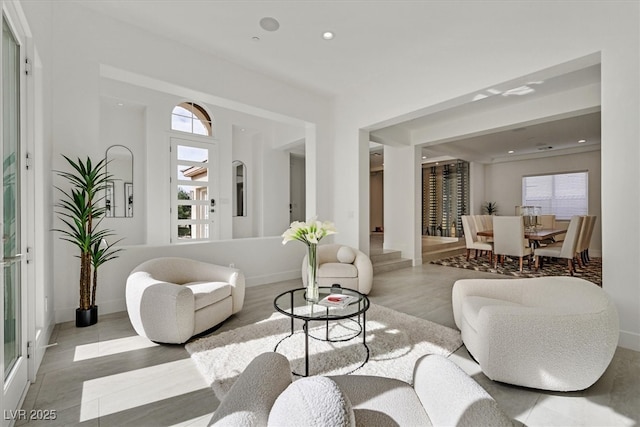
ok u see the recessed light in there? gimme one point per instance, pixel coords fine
(582, 141)
(255, 38)
(519, 91)
(424, 157)
(269, 24)
(510, 151)
(328, 35)
(120, 104)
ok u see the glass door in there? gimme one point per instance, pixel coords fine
(193, 191)
(14, 360)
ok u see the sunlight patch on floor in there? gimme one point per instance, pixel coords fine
(108, 348)
(138, 387)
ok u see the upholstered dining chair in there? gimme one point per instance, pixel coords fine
(471, 238)
(584, 239)
(547, 222)
(565, 249)
(592, 225)
(508, 239)
(483, 222)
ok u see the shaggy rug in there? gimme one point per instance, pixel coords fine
(591, 272)
(395, 341)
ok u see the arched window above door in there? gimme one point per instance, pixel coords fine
(192, 118)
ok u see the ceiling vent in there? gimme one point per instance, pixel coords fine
(546, 147)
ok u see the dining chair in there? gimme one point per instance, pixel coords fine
(565, 249)
(508, 239)
(588, 226)
(487, 224)
(547, 222)
(471, 238)
(581, 243)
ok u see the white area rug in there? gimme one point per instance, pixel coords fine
(395, 340)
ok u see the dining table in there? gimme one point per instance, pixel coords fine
(535, 236)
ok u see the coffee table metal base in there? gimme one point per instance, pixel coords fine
(307, 335)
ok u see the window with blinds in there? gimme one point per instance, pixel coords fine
(564, 195)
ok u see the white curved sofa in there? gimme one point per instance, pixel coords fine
(442, 395)
(344, 265)
(550, 333)
(171, 299)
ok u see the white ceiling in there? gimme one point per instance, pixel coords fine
(372, 39)
(549, 136)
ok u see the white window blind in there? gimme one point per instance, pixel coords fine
(564, 194)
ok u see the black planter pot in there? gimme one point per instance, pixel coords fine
(86, 317)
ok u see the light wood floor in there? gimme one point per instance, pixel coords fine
(106, 375)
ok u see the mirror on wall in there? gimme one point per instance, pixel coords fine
(119, 192)
(239, 188)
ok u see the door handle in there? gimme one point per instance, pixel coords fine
(11, 259)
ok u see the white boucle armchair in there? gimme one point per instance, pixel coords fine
(343, 265)
(169, 300)
(442, 395)
(550, 333)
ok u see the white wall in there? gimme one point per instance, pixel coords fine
(125, 125)
(503, 184)
(262, 260)
(552, 34)
(90, 55)
(242, 151)
(274, 186)
(477, 188)
(403, 201)
(500, 50)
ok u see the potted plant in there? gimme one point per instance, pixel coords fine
(79, 209)
(491, 208)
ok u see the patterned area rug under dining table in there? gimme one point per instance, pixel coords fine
(591, 271)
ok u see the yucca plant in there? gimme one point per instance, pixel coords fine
(79, 209)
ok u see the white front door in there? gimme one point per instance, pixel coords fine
(14, 311)
(194, 190)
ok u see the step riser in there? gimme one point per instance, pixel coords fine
(391, 266)
(387, 256)
(441, 246)
(430, 256)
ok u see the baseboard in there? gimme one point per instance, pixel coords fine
(104, 307)
(68, 314)
(273, 278)
(629, 340)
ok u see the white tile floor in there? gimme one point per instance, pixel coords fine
(106, 375)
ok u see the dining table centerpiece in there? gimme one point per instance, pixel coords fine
(310, 233)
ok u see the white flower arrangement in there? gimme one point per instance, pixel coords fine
(309, 233)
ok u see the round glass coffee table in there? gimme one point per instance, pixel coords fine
(293, 304)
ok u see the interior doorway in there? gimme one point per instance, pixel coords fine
(297, 188)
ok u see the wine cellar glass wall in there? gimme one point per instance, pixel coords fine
(445, 198)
